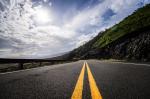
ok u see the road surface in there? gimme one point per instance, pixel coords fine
(90, 79)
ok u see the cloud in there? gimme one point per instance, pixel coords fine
(22, 37)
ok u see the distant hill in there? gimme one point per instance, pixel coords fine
(129, 39)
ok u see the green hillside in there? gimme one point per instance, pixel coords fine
(134, 22)
(139, 20)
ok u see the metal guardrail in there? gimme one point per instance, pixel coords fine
(21, 62)
(30, 60)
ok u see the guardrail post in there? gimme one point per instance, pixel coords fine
(52, 63)
(20, 65)
(40, 64)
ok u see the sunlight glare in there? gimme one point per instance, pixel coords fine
(42, 16)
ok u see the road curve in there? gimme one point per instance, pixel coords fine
(98, 79)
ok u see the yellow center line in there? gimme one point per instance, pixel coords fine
(95, 93)
(77, 94)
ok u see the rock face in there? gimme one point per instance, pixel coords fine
(137, 47)
(134, 47)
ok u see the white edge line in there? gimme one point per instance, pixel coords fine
(132, 63)
(137, 64)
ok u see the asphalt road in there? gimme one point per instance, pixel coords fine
(112, 79)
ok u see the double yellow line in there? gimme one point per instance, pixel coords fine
(77, 93)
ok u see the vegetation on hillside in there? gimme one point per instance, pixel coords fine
(134, 22)
(138, 21)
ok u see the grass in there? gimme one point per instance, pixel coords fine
(134, 22)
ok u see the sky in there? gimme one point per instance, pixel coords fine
(45, 28)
